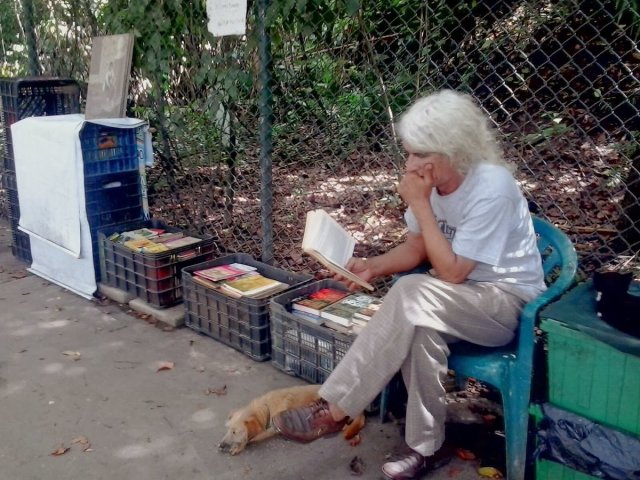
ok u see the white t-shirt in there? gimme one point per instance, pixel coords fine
(487, 220)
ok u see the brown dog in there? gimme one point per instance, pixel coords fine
(252, 423)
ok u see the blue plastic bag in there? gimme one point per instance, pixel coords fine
(586, 446)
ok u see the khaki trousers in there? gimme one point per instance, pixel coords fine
(420, 315)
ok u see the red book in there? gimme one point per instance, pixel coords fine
(316, 301)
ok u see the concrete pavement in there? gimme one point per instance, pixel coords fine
(85, 376)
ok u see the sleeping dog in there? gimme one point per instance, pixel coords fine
(252, 423)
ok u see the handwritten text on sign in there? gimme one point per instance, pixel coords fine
(227, 17)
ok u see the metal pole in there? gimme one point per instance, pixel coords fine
(266, 124)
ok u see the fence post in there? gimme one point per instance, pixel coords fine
(266, 124)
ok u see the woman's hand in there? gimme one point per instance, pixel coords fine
(415, 186)
(361, 268)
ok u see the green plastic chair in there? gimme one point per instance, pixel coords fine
(510, 368)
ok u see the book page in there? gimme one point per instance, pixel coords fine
(326, 241)
(326, 236)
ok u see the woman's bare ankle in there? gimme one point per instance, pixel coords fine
(336, 412)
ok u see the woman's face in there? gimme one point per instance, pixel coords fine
(444, 175)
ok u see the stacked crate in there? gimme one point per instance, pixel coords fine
(21, 98)
(588, 376)
(112, 181)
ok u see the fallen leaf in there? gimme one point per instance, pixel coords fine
(356, 466)
(165, 366)
(70, 353)
(61, 450)
(465, 454)
(216, 391)
(84, 443)
(490, 472)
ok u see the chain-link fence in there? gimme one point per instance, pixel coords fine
(559, 78)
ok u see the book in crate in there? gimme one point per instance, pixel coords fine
(316, 301)
(238, 280)
(343, 311)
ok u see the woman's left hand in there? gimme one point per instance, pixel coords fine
(416, 186)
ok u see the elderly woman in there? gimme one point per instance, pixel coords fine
(469, 221)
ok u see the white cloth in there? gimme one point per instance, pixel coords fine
(410, 332)
(50, 179)
(487, 219)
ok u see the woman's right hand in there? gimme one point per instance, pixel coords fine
(360, 267)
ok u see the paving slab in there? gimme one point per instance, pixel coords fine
(72, 369)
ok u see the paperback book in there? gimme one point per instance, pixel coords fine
(316, 301)
(330, 244)
(343, 311)
(252, 284)
(223, 272)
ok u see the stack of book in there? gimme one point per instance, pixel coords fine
(153, 240)
(339, 310)
(238, 280)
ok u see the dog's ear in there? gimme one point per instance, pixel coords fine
(230, 418)
(254, 427)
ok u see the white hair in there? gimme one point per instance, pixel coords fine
(452, 124)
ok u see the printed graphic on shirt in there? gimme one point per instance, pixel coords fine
(448, 231)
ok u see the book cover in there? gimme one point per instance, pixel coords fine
(343, 310)
(316, 301)
(181, 242)
(330, 244)
(366, 312)
(220, 272)
(251, 284)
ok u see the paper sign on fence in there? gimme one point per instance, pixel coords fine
(227, 17)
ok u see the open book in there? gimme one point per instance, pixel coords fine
(330, 244)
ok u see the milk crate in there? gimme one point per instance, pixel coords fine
(591, 378)
(242, 323)
(22, 98)
(300, 347)
(108, 149)
(153, 277)
(20, 243)
(33, 97)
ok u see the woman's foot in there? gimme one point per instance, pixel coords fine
(305, 424)
(413, 465)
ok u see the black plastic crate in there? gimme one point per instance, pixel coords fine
(242, 323)
(113, 199)
(153, 277)
(33, 97)
(10, 186)
(108, 149)
(21, 246)
(301, 347)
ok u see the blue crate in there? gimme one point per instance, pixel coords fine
(113, 198)
(108, 149)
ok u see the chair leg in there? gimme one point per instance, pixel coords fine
(516, 421)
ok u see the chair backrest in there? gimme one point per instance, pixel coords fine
(560, 263)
